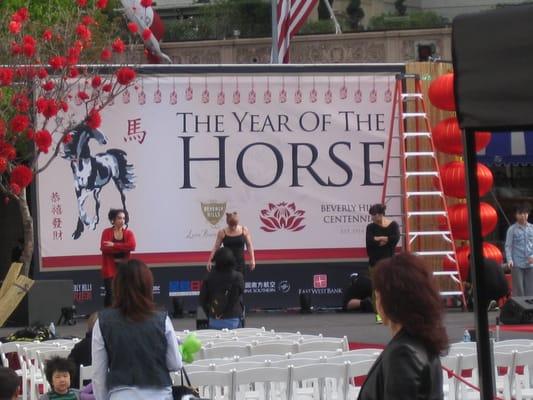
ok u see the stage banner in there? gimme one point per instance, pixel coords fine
(300, 157)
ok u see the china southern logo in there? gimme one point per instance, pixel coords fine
(320, 281)
(282, 216)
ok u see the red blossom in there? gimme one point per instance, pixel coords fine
(19, 123)
(42, 73)
(101, 4)
(87, 20)
(48, 86)
(96, 81)
(57, 62)
(67, 138)
(15, 189)
(7, 151)
(73, 72)
(63, 105)
(83, 32)
(132, 27)
(15, 27)
(83, 95)
(50, 108)
(106, 54)
(2, 128)
(47, 35)
(94, 119)
(118, 45)
(125, 75)
(21, 102)
(146, 3)
(6, 76)
(146, 34)
(25, 72)
(3, 165)
(16, 48)
(41, 104)
(21, 175)
(107, 87)
(29, 45)
(82, 3)
(43, 140)
(22, 14)
(30, 133)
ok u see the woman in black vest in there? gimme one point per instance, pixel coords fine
(221, 293)
(407, 299)
(134, 346)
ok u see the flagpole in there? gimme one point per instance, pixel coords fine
(274, 57)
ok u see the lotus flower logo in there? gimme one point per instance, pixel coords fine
(282, 216)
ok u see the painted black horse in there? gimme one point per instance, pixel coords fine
(92, 173)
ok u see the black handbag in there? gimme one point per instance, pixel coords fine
(182, 390)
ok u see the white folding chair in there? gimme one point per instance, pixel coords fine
(355, 370)
(449, 386)
(265, 357)
(86, 374)
(504, 363)
(353, 358)
(467, 362)
(521, 342)
(369, 351)
(262, 383)
(315, 355)
(216, 361)
(277, 347)
(456, 350)
(214, 385)
(247, 331)
(225, 351)
(295, 362)
(522, 382)
(240, 365)
(319, 381)
(323, 344)
(502, 347)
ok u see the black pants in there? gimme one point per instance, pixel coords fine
(108, 292)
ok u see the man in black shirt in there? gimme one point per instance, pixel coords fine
(496, 285)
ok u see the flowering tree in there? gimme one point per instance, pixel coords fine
(45, 66)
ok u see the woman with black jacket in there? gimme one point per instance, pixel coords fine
(409, 368)
(221, 292)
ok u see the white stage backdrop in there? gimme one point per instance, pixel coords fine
(301, 158)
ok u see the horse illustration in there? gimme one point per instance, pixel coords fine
(92, 173)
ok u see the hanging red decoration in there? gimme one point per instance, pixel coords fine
(441, 93)
(454, 179)
(458, 215)
(490, 251)
(447, 137)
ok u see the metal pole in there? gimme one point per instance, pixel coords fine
(332, 17)
(274, 54)
(484, 356)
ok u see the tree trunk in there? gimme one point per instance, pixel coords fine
(27, 224)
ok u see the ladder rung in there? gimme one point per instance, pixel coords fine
(429, 233)
(419, 153)
(414, 115)
(393, 196)
(451, 293)
(395, 176)
(435, 193)
(421, 213)
(422, 173)
(416, 134)
(433, 253)
(442, 273)
(411, 95)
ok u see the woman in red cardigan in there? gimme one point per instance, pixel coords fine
(116, 244)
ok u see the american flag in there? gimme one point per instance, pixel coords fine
(291, 15)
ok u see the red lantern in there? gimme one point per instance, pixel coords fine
(489, 251)
(447, 137)
(441, 93)
(454, 180)
(458, 215)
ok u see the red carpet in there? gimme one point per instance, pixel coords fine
(515, 328)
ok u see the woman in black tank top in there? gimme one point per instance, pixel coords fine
(235, 237)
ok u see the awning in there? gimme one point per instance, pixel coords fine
(506, 148)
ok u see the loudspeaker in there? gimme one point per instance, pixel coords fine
(43, 303)
(517, 310)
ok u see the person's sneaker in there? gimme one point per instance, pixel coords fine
(493, 306)
(378, 319)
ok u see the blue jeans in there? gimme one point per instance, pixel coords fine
(229, 323)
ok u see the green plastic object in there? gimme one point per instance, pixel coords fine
(190, 346)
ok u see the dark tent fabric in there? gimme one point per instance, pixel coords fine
(493, 59)
(508, 148)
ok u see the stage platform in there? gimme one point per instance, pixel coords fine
(359, 328)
